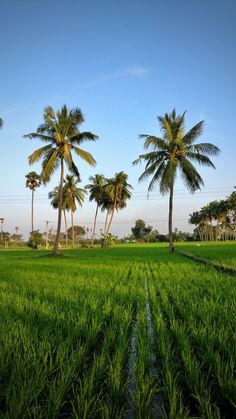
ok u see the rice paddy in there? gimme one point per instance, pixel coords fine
(128, 332)
(223, 253)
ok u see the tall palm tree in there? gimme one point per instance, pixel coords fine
(96, 189)
(73, 195)
(61, 131)
(54, 196)
(175, 150)
(118, 191)
(33, 181)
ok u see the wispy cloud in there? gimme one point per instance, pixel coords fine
(132, 71)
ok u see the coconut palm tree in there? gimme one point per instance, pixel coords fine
(231, 204)
(118, 191)
(73, 195)
(61, 131)
(96, 189)
(54, 196)
(33, 181)
(175, 150)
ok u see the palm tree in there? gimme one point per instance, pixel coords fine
(117, 189)
(73, 194)
(54, 196)
(33, 181)
(175, 150)
(61, 131)
(231, 203)
(196, 219)
(96, 189)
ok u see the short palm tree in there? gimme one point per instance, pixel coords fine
(96, 190)
(175, 150)
(33, 181)
(118, 191)
(61, 131)
(73, 195)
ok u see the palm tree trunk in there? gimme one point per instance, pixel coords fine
(94, 225)
(105, 226)
(56, 245)
(64, 212)
(32, 211)
(110, 221)
(171, 246)
(72, 228)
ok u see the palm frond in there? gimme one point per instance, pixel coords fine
(194, 133)
(168, 176)
(153, 156)
(75, 171)
(37, 154)
(190, 176)
(137, 161)
(84, 155)
(80, 137)
(150, 168)
(49, 165)
(39, 136)
(206, 148)
(157, 176)
(200, 158)
(155, 142)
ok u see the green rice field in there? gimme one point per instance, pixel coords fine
(127, 332)
(223, 253)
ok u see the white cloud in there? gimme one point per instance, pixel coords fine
(132, 71)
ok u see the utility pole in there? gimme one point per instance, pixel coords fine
(17, 231)
(2, 220)
(46, 244)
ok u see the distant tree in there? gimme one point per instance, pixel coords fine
(216, 220)
(79, 232)
(96, 190)
(175, 150)
(152, 236)
(140, 229)
(35, 239)
(162, 238)
(118, 192)
(16, 237)
(61, 130)
(5, 237)
(33, 181)
(73, 194)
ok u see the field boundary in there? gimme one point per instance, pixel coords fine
(207, 262)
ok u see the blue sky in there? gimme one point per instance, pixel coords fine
(123, 63)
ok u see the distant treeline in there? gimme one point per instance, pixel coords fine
(216, 221)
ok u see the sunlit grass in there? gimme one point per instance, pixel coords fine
(67, 325)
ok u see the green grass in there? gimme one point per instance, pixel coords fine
(222, 253)
(69, 324)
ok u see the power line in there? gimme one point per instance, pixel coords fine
(15, 202)
(177, 191)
